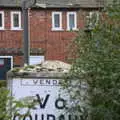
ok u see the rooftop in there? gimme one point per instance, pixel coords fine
(56, 3)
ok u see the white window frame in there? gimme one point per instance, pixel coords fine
(41, 59)
(3, 22)
(75, 19)
(12, 20)
(95, 12)
(53, 21)
(11, 57)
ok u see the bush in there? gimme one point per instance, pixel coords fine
(9, 106)
(2, 83)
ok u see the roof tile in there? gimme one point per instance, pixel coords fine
(55, 3)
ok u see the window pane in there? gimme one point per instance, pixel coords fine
(71, 21)
(57, 20)
(16, 20)
(0, 20)
(1, 62)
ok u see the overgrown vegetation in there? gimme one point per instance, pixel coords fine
(96, 69)
(10, 107)
(2, 83)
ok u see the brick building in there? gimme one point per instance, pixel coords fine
(50, 25)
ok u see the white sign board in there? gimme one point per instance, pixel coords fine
(51, 98)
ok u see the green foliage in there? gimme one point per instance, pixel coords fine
(9, 106)
(3, 100)
(97, 64)
(2, 83)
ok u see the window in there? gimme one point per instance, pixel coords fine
(1, 20)
(92, 19)
(56, 21)
(1, 62)
(36, 60)
(15, 20)
(71, 21)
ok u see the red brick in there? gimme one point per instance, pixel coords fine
(41, 36)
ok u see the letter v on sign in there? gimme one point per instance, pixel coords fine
(42, 104)
(35, 81)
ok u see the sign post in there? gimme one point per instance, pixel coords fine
(26, 39)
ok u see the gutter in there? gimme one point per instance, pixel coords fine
(41, 5)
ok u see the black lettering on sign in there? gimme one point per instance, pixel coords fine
(60, 103)
(35, 81)
(48, 82)
(69, 117)
(27, 116)
(42, 117)
(42, 105)
(55, 82)
(36, 117)
(61, 117)
(16, 116)
(41, 82)
(50, 117)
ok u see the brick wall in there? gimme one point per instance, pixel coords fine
(41, 35)
(54, 42)
(10, 38)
